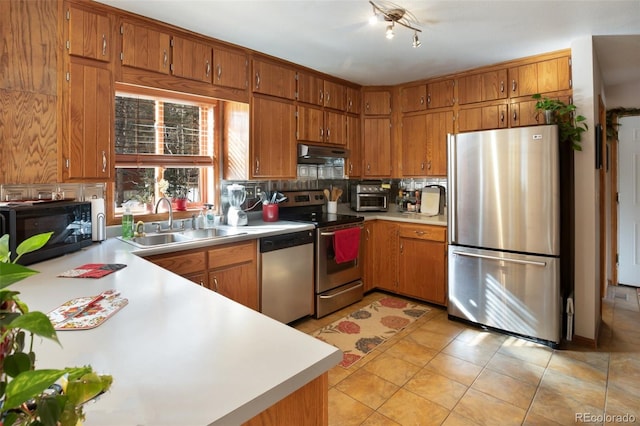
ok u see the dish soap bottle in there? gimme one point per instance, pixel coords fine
(201, 220)
(209, 222)
(127, 222)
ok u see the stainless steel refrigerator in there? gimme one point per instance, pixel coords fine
(503, 229)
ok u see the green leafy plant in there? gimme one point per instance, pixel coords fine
(570, 125)
(29, 396)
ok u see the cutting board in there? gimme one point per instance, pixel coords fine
(431, 201)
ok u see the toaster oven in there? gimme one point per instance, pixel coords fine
(369, 198)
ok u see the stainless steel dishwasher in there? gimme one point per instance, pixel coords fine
(286, 263)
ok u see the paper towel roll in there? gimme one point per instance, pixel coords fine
(98, 220)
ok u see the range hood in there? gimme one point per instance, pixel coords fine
(314, 154)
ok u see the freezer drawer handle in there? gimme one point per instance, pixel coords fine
(502, 259)
(331, 296)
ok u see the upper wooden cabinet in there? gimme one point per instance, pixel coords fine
(273, 79)
(353, 100)
(414, 145)
(273, 145)
(318, 125)
(353, 164)
(483, 117)
(334, 95)
(310, 88)
(413, 98)
(551, 75)
(89, 121)
(440, 94)
(377, 102)
(191, 59)
(376, 147)
(230, 68)
(482, 87)
(145, 47)
(89, 34)
(439, 124)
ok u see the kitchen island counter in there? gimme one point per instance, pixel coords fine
(178, 353)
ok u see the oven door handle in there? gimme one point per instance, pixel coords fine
(330, 296)
(330, 234)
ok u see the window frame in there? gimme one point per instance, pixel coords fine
(210, 164)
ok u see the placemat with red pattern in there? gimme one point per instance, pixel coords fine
(92, 270)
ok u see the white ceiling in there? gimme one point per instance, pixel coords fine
(335, 37)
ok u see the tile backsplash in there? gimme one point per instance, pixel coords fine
(56, 191)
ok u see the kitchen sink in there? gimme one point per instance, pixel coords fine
(167, 238)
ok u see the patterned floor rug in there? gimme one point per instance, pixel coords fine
(360, 332)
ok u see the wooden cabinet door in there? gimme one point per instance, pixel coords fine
(273, 139)
(89, 34)
(414, 145)
(187, 263)
(273, 79)
(523, 80)
(413, 98)
(230, 68)
(237, 282)
(191, 59)
(440, 94)
(368, 270)
(353, 164)
(144, 47)
(335, 125)
(385, 242)
(377, 102)
(377, 147)
(310, 124)
(422, 269)
(523, 114)
(482, 87)
(483, 118)
(551, 75)
(310, 89)
(353, 100)
(439, 124)
(334, 95)
(88, 140)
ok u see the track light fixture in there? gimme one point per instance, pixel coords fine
(394, 14)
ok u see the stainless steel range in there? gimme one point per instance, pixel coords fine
(337, 283)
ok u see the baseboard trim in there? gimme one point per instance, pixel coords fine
(584, 341)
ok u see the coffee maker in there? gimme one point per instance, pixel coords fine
(235, 215)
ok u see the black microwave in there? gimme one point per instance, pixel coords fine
(70, 222)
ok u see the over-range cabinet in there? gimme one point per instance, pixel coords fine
(504, 231)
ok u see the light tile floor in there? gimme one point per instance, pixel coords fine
(442, 372)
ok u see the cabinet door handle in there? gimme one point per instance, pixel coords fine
(350, 168)
(429, 99)
(104, 45)
(257, 80)
(421, 100)
(514, 85)
(401, 248)
(368, 167)
(219, 71)
(257, 165)
(366, 106)
(515, 116)
(328, 133)
(208, 68)
(165, 59)
(502, 116)
(104, 162)
(321, 94)
(422, 166)
(327, 97)
(215, 284)
(321, 133)
(368, 234)
(429, 165)
(501, 86)
(419, 233)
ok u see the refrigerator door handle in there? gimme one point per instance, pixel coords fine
(501, 259)
(452, 190)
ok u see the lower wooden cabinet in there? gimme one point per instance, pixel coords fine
(408, 259)
(233, 272)
(229, 269)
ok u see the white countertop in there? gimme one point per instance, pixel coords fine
(179, 354)
(396, 216)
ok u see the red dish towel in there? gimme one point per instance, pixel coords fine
(346, 243)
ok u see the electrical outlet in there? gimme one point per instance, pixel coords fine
(251, 191)
(258, 191)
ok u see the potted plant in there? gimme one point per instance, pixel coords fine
(179, 182)
(29, 396)
(570, 126)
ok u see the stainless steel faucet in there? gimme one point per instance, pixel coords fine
(170, 211)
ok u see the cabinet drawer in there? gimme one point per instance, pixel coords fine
(181, 264)
(432, 233)
(232, 254)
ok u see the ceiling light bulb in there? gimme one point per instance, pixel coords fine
(373, 19)
(416, 42)
(389, 33)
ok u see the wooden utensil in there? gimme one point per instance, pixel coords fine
(334, 194)
(338, 194)
(327, 195)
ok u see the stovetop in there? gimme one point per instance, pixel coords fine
(307, 206)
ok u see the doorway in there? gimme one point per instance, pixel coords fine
(628, 202)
